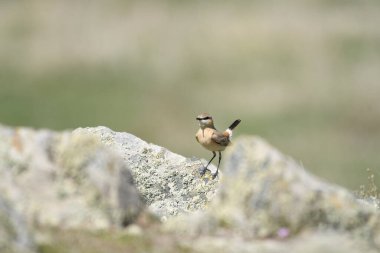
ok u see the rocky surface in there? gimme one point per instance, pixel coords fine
(94, 178)
(308, 242)
(169, 183)
(65, 179)
(14, 233)
(265, 194)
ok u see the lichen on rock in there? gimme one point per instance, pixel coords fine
(264, 192)
(96, 178)
(169, 183)
(15, 236)
(66, 179)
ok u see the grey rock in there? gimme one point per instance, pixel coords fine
(14, 233)
(266, 194)
(309, 242)
(66, 179)
(169, 183)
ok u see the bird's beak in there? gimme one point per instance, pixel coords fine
(198, 118)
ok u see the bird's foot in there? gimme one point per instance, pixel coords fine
(202, 170)
(214, 175)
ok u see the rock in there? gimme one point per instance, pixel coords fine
(311, 242)
(14, 233)
(66, 179)
(264, 193)
(95, 178)
(169, 183)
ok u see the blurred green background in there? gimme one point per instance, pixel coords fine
(302, 74)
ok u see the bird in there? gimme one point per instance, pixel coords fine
(212, 139)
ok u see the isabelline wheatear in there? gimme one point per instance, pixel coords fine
(212, 139)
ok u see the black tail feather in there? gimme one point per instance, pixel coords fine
(233, 125)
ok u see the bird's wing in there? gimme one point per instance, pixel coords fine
(221, 138)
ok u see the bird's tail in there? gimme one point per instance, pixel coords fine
(233, 125)
(228, 132)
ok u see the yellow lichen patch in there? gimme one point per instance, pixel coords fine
(73, 151)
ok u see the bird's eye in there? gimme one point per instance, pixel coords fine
(204, 118)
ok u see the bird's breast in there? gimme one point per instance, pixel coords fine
(203, 136)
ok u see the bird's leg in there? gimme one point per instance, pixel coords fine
(217, 168)
(202, 170)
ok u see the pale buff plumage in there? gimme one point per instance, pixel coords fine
(212, 139)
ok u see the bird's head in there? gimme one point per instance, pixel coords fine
(205, 120)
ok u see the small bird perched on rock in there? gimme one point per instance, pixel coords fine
(212, 139)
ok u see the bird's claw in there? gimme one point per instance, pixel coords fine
(202, 171)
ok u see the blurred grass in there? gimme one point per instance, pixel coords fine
(110, 241)
(97, 242)
(302, 74)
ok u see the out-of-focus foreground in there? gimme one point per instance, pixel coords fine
(303, 74)
(96, 190)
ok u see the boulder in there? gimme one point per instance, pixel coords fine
(97, 178)
(265, 194)
(66, 179)
(169, 183)
(14, 233)
(315, 242)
